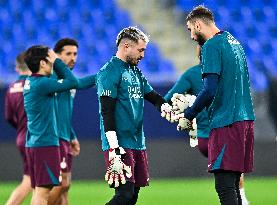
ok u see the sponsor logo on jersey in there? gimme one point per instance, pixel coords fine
(232, 40)
(134, 92)
(106, 93)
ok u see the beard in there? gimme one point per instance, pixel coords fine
(200, 39)
(132, 61)
(71, 65)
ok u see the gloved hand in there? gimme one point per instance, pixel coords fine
(193, 141)
(117, 169)
(181, 102)
(185, 124)
(167, 112)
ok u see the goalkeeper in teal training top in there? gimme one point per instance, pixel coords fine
(191, 83)
(122, 88)
(226, 93)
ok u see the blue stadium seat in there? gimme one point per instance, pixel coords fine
(3, 3)
(236, 15)
(94, 23)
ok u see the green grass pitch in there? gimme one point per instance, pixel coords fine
(260, 191)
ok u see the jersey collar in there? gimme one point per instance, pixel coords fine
(36, 75)
(219, 32)
(121, 62)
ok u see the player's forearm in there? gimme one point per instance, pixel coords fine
(86, 82)
(205, 97)
(107, 112)
(63, 72)
(155, 98)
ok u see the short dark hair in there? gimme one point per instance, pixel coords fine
(132, 33)
(20, 62)
(202, 13)
(34, 55)
(65, 42)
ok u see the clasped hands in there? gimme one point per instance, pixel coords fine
(175, 113)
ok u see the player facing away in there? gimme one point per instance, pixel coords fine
(121, 89)
(16, 116)
(226, 93)
(67, 51)
(42, 141)
(191, 83)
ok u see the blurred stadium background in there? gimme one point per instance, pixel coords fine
(95, 24)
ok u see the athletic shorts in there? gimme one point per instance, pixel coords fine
(66, 156)
(203, 146)
(232, 147)
(137, 159)
(22, 151)
(44, 163)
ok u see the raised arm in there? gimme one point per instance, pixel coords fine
(86, 82)
(65, 82)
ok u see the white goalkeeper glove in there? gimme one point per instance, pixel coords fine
(185, 124)
(190, 126)
(117, 169)
(193, 141)
(181, 102)
(167, 112)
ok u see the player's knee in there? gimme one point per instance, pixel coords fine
(65, 187)
(66, 181)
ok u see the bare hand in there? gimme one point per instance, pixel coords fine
(51, 56)
(75, 147)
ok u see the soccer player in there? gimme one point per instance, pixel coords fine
(67, 51)
(226, 93)
(42, 142)
(191, 83)
(121, 89)
(16, 116)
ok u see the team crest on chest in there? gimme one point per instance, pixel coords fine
(133, 85)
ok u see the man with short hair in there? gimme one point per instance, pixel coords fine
(67, 51)
(122, 88)
(190, 83)
(42, 141)
(226, 93)
(16, 116)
